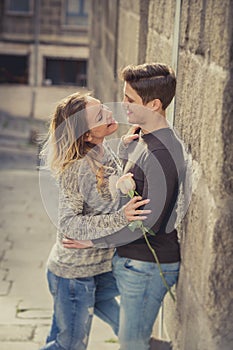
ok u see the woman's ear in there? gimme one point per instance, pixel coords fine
(87, 137)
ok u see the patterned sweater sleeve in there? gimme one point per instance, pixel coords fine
(73, 222)
(122, 151)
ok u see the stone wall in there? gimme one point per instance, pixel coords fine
(144, 31)
(204, 119)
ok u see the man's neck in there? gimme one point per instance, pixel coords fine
(158, 122)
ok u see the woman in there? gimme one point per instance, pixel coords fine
(81, 281)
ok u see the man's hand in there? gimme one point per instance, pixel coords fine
(73, 244)
(131, 134)
(132, 212)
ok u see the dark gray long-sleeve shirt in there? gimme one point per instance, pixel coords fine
(157, 162)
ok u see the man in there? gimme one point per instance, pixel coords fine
(156, 160)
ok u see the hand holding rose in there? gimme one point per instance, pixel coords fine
(127, 186)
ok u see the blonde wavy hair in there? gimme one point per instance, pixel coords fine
(65, 141)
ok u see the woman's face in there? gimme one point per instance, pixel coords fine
(100, 121)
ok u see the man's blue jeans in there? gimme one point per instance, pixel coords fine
(75, 301)
(142, 292)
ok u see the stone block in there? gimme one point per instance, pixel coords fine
(193, 94)
(130, 6)
(227, 135)
(8, 306)
(34, 314)
(41, 332)
(5, 287)
(161, 17)
(18, 346)
(16, 332)
(220, 282)
(159, 48)
(206, 29)
(102, 336)
(128, 32)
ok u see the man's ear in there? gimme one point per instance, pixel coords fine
(156, 105)
(87, 137)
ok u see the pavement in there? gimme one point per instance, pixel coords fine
(26, 236)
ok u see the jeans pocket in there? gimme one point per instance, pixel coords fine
(172, 268)
(82, 288)
(137, 267)
(171, 273)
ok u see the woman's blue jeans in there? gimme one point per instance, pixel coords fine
(75, 301)
(142, 292)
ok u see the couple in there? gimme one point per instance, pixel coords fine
(91, 214)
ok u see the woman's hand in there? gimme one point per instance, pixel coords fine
(131, 210)
(73, 244)
(131, 135)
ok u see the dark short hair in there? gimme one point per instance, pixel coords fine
(151, 81)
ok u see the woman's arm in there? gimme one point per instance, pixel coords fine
(75, 225)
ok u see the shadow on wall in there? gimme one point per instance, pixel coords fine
(157, 344)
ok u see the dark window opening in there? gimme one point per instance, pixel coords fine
(22, 6)
(13, 69)
(65, 72)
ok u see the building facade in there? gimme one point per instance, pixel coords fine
(196, 38)
(44, 54)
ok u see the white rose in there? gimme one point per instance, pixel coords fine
(126, 183)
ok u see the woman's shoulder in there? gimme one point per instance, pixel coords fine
(72, 171)
(73, 167)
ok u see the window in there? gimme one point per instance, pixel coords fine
(19, 7)
(65, 72)
(76, 13)
(13, 69)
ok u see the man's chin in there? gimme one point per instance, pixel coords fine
(131, 120)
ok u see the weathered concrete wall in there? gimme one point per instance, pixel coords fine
(202, 318)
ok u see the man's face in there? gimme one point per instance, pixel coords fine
(136, 111)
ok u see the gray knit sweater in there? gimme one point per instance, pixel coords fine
(88, 209)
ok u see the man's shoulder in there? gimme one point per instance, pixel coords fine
(161, 139)
(166, 146)
(164, 140)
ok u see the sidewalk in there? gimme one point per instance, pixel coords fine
(26, 236)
